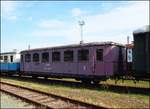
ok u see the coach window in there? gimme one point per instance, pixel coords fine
(5, 58)
(11, 58)
(99, 54)
(55, 56)
(27, 57)
(45, 57)
(68, 56)
(83, 55)
(1, 57)
(35, 57)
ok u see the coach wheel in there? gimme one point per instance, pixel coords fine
(95, 81)
(45, 77)
(86, 81)
(9, 74)
(34, 77)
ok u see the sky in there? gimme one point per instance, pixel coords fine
(53, 23)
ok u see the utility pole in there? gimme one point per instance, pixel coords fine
(81, 23)
(29, 47)
(128, 39)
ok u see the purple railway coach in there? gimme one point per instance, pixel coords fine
(88, 62)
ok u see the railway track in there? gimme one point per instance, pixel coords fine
(43, 99)
(115, 88)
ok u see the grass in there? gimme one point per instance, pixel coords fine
(144, 84)
(99, 97)
(131, 83)
(7, 102)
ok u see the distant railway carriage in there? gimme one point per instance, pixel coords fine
(10, 62)
(86, 62)
(141, 52)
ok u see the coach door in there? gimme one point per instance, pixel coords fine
(36, 62)
(69, 65)
(22, 63)
(99, 65)
(84, 65)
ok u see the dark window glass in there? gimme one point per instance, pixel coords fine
(5, 58)
(83, 55)
(27, 57)
(21, 58)
(35, 57)
(68, 56)
(45, 57)
(99, 54)
(1, 57)
(55, 56)
(11, 58)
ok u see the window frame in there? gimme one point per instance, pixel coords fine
(1, 58)
(35, 57)
(99, 57)
(11, 58)
(70, 58)
(81, 55)
(27, 58)
(6, 60)
(47, 58)
(54, 59)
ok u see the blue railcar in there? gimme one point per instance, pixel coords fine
(10, 66)
(10, 62)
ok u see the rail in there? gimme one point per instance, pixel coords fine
(44, 99)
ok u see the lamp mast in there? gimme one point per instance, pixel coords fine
(81, 24)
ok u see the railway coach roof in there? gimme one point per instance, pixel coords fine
(5, 53)
(144, 29)
(77, 45)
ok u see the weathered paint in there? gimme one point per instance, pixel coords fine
(107, 67)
